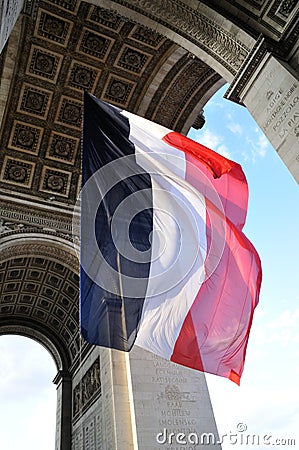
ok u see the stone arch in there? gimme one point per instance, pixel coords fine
(40, 290)
(39, 299)
(162, 60)
(202, 31)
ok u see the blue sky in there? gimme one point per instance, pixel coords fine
(267, 401)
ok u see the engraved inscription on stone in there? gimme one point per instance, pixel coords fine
(78, 441)
(89, 436)
(99, 434)
(168, 396)
(283, 110)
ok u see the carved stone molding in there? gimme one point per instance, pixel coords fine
(261, 48)
(197, 28)
(45, 249)
(31, 216)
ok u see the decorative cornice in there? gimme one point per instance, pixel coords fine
(194, 26)
(50, 219)
(46, 249)
(253, 60)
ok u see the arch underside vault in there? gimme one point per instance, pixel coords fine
(161, 60)
(60, 49)
(39, 293)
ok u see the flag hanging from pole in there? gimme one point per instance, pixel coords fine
(164, 262)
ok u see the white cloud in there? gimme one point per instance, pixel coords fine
(209, 139)
(235, 128)
(223, 150)
(262, 144)
(257, 148)
(213, 141)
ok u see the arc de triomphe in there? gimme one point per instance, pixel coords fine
(161, 59)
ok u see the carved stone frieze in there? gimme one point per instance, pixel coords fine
(186, 21)
(33, 217)
(175, 98)
(88, 389)
(37, 249)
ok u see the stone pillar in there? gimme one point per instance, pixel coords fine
(269, 88)
(172, 407)
(143, 402)
(9, 12)
(64, 410)
(102, 409)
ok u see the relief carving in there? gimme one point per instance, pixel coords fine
(88, 388)
(285, 8)
(216, 41)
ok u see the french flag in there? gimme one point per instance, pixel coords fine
(164, 262)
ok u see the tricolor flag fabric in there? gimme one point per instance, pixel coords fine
(164, 262)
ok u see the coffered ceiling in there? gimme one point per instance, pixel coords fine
(66, 47)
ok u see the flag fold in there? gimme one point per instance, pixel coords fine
(165, 264)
